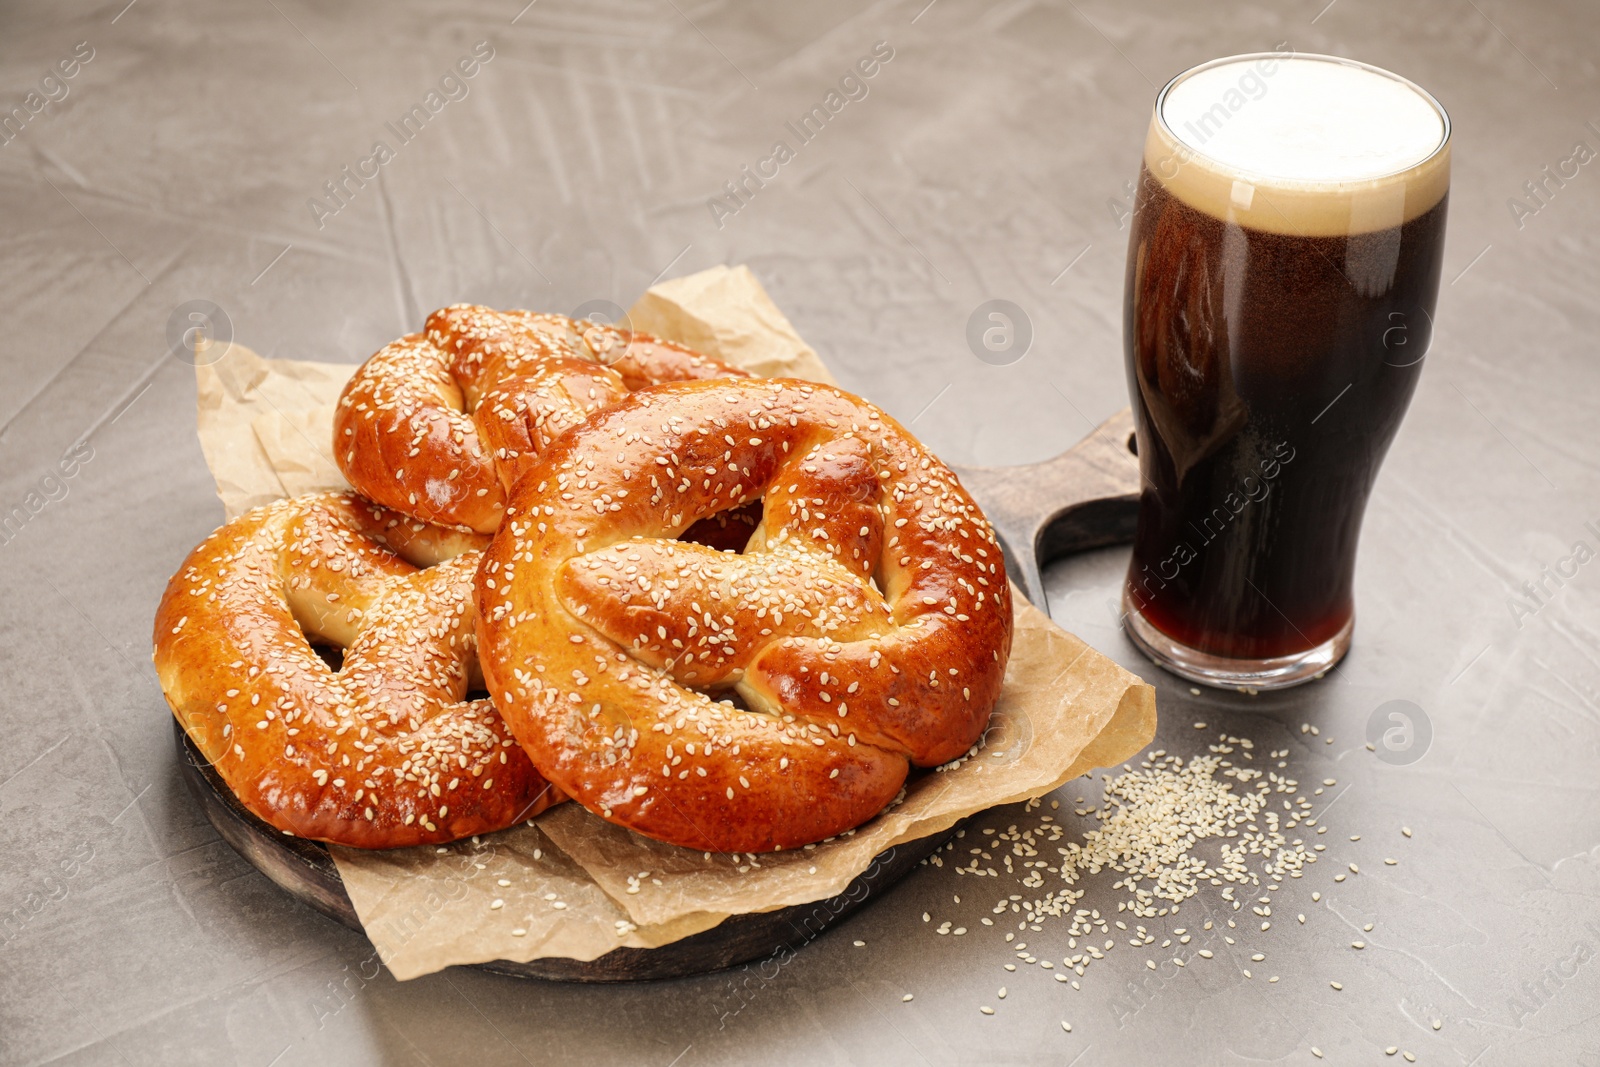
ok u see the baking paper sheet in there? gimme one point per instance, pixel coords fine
(569, 884)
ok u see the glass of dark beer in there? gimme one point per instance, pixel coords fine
(1282, 271)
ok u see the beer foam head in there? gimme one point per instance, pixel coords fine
(1300, 144)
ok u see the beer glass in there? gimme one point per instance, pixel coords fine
(1283, 265)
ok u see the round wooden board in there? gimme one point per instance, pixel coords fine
(306, 871)
(1084, 498)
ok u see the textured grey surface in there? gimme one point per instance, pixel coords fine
(990, 154)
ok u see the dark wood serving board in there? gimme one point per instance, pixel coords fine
(1084, 498)
(306, 871)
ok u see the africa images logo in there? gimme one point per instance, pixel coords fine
(740, 190)
(1399, 732)
(351, 179)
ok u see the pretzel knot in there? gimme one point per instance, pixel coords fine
(755, 701)
(381, 752)
(438, 425)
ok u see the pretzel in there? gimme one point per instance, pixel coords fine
(742, 702)
(438, 425)
(383, 751)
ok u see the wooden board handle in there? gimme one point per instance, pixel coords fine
(1087, 497)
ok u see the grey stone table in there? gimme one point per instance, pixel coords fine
(188, 156)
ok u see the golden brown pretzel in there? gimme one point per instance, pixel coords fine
(866, 626)
(382, 752)
(439, 424)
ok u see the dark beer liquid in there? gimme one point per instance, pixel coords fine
(1269, 374)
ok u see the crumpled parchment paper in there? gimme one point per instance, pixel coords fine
(569, 884)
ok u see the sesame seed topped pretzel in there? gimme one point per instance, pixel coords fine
(381, 752)
(439, 424)
(865, 627)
